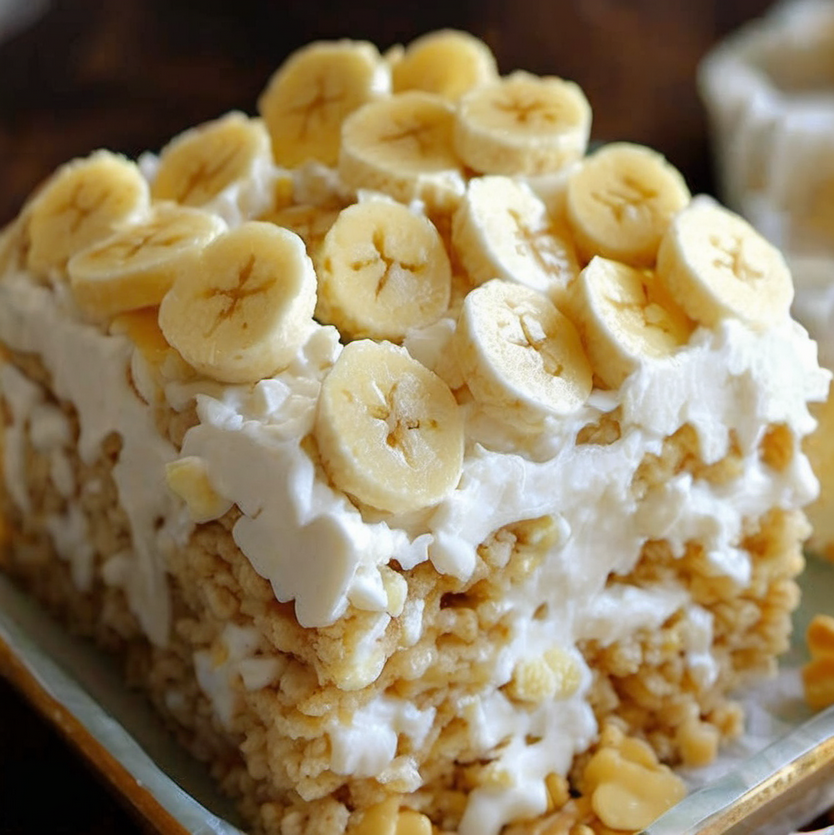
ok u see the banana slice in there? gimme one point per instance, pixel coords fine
(200, 163)
(243, 310)
(402, 146)
(389, 431)
(620, 202)
(448, 62)
(715, 265)
(136, 267)
(310, 223)
(382, 271)
(311, 94)
(502, 230)
(522, 124)
(625, 317)
(521, 358)
(85, 201)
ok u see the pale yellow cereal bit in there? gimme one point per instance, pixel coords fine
(818, 674)
(627, 786)
(820, 636)
(495, 776)
(555, 675)
(818, 682)
(188, 478)
(698, 742)
(396, 590)
(777, 447)
(565, 669)
(141, 327)
(637, 751)
(386, 818)
(410, 822)
(219, 654)
(558, 791)
(532, 681)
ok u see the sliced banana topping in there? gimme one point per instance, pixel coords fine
(447, 62)
(244, 308)
(197, 165)
(716, 265)
(136, 267)
(85, 201)
(310, 223)
(402, 146)
(312, 93)
(389, 431)
(620, 202)
(502, 230)
(522, 124)
(382, 271)
(521, 358)
(625, 318)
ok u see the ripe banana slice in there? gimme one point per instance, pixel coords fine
(389, 431)
(310, 223)
(243, 310)
(621, 200)
(447, 62)
(522, 124)
(311, 93)
(402, 146)
(136, 267)
(382, 271)
(502, 230)
(625, 317)
(716, 265)
(200, 163)
(521, 358)
(85, 201)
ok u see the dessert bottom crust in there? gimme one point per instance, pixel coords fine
(271, 753)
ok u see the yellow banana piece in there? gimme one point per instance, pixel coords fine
(620, 202)
(625, 318)
(311, 94)
(402, 146)
(383, 270)
(447, 62)
(136, 266)
(85, 201)
(520, 357)
(502, 230)
(196, 166)
(389, 431)
(715, 265)
(522, 124)
(245, 307)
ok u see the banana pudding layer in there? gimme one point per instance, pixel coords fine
(429, 474)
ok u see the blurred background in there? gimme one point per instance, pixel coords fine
(76, 75)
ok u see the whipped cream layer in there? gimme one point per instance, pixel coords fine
(319, 550)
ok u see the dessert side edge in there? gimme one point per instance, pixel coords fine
(431, 474)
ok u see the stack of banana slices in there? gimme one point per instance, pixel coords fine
(384, 194)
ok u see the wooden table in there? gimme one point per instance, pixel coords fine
(130, 74)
